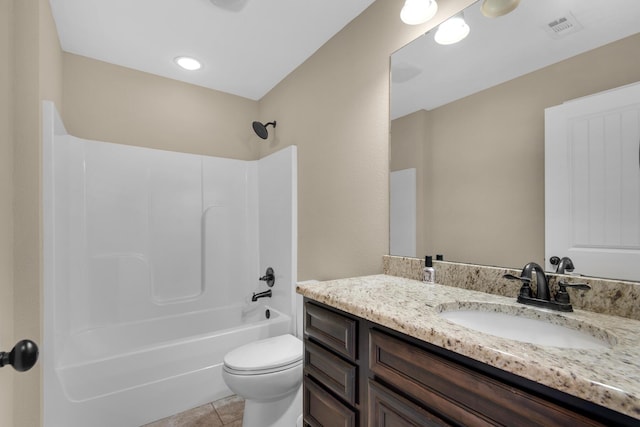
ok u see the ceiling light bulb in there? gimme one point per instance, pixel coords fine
(495, 8)
(187, 63)
(452, 30)
(416, 12)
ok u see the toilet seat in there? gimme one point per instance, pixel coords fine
(262, 371)
(265, 356)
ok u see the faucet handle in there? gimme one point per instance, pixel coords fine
(521, 278)
(582, 286)
(525, 290)
(269, 277)
(562, 296)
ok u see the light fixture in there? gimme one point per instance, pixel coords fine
(188, 63)
(231, 5)
(495, 8)
(416, 12)
(452, 30)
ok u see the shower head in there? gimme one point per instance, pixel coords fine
(261, 130)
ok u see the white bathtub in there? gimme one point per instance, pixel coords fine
(140, 249)
(132, 374)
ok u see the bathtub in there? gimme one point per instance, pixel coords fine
(141, 248)
(135, 373)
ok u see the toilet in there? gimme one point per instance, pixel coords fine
(268, 375)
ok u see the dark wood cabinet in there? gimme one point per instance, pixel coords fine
(330, 368)
(462, 395)
(336, 374)
(335, 331)
(389, 409)
(359, 373)
(321, 409)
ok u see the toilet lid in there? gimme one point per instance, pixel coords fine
(269, 353)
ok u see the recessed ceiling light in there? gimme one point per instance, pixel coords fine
(188, 63)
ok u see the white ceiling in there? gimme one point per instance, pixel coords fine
(427, 75)
(245, 52)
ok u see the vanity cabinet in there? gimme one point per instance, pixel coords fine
(330, 368)
(359, 373)
(462, 395)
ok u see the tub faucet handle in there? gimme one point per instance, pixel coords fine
(269, 277)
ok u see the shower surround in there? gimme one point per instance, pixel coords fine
(151, 258)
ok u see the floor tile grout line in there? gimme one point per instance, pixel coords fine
(231, 400)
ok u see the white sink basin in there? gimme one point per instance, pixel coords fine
(527, 325)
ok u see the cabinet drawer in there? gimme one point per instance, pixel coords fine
(331, 329)
(387, 409)
(461, 394)
(333, 372)
(323, 410)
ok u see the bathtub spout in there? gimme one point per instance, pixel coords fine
(259, 295)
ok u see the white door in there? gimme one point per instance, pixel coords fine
(402, 232)
(592, 183)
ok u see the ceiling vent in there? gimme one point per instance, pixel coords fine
(563, 26)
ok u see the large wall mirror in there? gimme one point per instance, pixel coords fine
(468, 120)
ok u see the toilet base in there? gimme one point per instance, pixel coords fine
(275, 413)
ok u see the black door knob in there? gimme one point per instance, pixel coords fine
(23, 356)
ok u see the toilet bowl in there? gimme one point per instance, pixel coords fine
(268, 375)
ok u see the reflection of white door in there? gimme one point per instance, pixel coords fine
(592, 183)
(402, 233)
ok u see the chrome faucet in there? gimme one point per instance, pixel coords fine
(543, 295)
(259, 295)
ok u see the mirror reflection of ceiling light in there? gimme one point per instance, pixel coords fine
(188, 63)
(452, 30)
(416, 12)
(230, 5)
(403, 72)
(495, 8)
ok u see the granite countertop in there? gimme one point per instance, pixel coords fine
(608, 376)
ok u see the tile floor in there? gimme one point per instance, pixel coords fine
(225, 412)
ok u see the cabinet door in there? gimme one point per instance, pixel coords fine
(334, 373)
(592, 183)
(323, 410)
(387, 409)
(333, 330)
(465, 396)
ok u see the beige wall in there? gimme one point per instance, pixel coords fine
(38, 75)
(335, 108)
(6, 206)
(110, 103)
(26, 204)
(486, 178)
